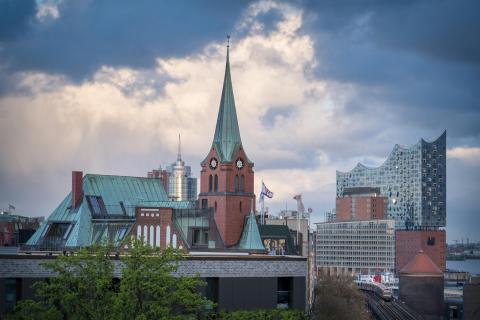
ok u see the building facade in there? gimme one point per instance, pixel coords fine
(362, 203)
(410, 242)
(241, 282)
(302, 225)
(15, 230)
(414, 181)
(355, 247)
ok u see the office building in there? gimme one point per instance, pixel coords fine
(355, 247)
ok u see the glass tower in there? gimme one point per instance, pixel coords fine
(181, 186)
(413, 179)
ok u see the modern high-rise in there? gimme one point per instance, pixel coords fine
(177, 179)
(414, 181)
(181, 186)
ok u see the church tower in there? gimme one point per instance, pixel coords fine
(226, 178)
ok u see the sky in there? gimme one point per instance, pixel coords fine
(107, 86)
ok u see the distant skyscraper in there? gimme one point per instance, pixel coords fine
(181, 186)
(414, 181)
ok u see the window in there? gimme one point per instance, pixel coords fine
(215, 206)
(235, 183)
(216, 183)
(210, 178)
(431, 241)
(242, 183)
(205, 203)
(12, 287)
(97, 207)
(200, 237)
(284, 289)
(241, 209)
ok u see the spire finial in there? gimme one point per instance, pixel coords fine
(179, 156)
(228, 41)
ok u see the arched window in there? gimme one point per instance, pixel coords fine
(215, 206)
(139, 232)
(167, 236)
(152, 235)
(242, 183)
(241, 209)
(216, 183)
(235, 183)
(157, 236)
(174, 241)
(210, 183)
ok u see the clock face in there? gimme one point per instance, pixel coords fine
(239, 164)
(213, 163)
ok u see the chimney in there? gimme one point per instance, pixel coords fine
(77, 188)
(164, 177)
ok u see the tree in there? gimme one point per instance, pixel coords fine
(83, 287)
(149, 291)
(337, 297)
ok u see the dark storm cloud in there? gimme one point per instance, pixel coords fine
(89, 34)
(416, 61)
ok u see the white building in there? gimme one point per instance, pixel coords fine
(355, 247)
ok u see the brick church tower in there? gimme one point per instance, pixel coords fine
(226, 178)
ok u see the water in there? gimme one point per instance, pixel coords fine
(471, 266)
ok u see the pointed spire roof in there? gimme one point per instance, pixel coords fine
(251, 239)
(227, 134)
(421, 264)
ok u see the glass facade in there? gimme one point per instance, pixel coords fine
(414, 181)
(181, 186)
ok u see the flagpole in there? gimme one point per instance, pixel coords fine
(262, 198)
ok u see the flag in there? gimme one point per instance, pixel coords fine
(265, 192)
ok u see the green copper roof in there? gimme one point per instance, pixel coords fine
(227, 134)
(116, 192)
(251, 239)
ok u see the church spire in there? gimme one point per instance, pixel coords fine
(227, 134)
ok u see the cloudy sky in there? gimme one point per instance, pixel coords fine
(106, 87)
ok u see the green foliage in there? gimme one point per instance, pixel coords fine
(260, 315)
(33, 310)
(337, 297)
(148, 291)
(84, 287)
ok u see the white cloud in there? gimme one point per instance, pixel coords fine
(48, 9)
(469, 155)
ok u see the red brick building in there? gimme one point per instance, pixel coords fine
(361, 203)
(409, 242)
